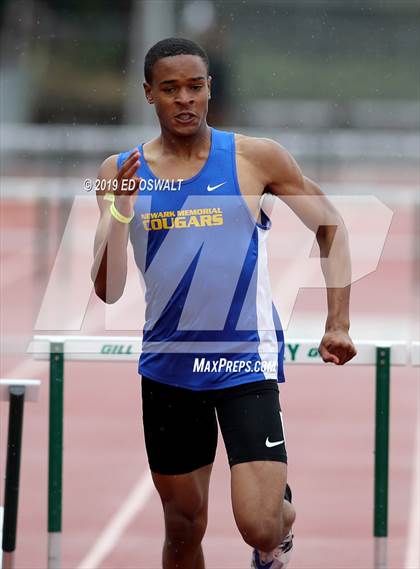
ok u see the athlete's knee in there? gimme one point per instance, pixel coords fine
(183, 529)
(263, 534)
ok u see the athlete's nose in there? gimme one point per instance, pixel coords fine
(184, 97)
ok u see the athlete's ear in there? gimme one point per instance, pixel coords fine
(209, 85)
(148, 93)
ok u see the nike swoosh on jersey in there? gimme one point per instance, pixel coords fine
(211, 188)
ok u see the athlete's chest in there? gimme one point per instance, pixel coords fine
(248, 177)
(221, 178)
(173, 168)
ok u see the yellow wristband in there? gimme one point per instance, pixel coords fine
(119, 216)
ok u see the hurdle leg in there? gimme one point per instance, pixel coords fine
(11, 492)
(55, 462)
(383, 364)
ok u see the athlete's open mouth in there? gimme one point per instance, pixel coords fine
(185, 117)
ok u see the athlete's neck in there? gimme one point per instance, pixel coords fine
(185, 147)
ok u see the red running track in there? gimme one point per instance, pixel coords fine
(329, 424)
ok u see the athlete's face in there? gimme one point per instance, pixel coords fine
(180, 91)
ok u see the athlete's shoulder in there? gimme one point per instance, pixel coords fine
(108, 168)
(112, 164)
(264, 153)
(258, 146)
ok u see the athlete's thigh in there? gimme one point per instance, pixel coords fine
(180, 428)
(252, 427)
(257, 489)
(251, 423)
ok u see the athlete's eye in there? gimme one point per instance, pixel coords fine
(196, 87)
(169, 89)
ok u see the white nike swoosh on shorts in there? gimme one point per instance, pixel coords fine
(270, 444)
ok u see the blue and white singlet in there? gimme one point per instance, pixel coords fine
(210, 319)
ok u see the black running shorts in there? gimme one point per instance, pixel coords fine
(180, 425)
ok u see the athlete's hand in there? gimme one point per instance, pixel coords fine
(337, 347)
(127, 184)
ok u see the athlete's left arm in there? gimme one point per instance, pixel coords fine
(285, 180)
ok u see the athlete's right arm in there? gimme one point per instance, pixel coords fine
(109, 268)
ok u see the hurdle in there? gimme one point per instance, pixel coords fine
(58, 349)
(16, 392)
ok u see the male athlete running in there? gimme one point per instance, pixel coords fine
(190, 201)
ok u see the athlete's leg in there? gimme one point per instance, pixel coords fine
(185, 501)
(180, 431)
(252, 428)
(262, 514)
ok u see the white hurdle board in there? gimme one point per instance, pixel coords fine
(128, 348)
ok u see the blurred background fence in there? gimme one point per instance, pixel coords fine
(333, 80)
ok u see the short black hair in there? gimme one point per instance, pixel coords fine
(168, 48)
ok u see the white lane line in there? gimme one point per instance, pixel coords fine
(111, 534)
(412, 554)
